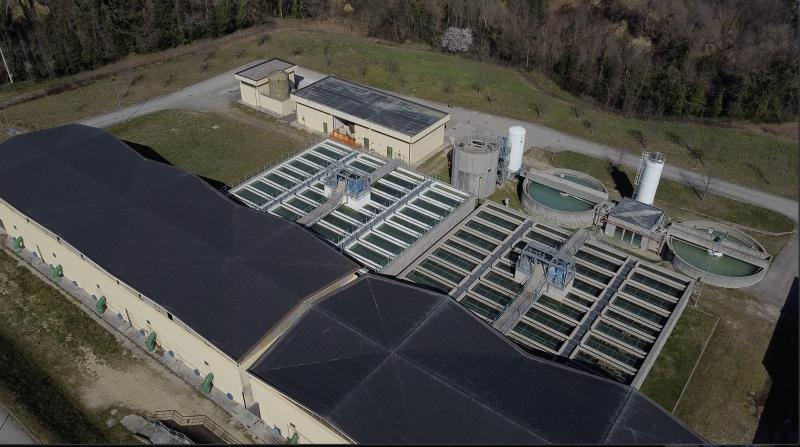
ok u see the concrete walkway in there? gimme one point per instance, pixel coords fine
(221, 90)
(11, 430)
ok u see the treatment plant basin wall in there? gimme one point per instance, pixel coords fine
(692, 259)
(557, 203)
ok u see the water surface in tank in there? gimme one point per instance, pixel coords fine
(721, 265)
(558, 200)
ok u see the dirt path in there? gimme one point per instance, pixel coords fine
(138, 383)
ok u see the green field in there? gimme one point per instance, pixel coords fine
(745, 155)
(210, 144)
(678, 357)
(43, 337)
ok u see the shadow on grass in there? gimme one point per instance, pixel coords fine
(44, 399)
(779, 421)
(621, 181)
(150, 154)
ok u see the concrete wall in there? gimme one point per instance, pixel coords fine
(171, 335)
(281, 108)
(566, 219)
(313, 119)
(666, 330)
(475, 171)
(248, 94)
(422, 244)
(727, 282)
(280, 411)
(427, 145)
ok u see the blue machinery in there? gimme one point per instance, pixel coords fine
(559, 270)
(356, 184)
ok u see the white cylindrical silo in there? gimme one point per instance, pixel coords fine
(516, 141)
(649, 177)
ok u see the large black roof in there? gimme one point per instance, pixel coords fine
(229, 272)
(386, 362)
(395, 113)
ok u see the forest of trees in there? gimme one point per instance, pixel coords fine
(705, 58)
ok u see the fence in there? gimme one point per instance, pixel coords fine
(255, 173)
(213, 427)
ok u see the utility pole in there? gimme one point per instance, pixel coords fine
(10, 78)
(119, 104)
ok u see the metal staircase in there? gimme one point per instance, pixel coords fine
(329, 205)
(515, 310)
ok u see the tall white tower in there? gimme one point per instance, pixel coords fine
(516, 140)
(648, 176)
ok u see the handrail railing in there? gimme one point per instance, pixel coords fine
(276, 161)
(198, 419)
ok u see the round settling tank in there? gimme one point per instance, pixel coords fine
(475, 169)
(516, 141)
(278, 85)
(563, 197)
(701, 256)
(650, 176)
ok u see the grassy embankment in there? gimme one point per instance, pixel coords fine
(44, 341)
(747, 155)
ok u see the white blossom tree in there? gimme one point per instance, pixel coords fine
(457, 39)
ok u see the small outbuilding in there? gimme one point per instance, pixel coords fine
(374, 120)
(266, 86)
(636, 223)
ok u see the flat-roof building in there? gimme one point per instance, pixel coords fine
(166, 251)
(637, 224)
(375, 120)
(266, 86)
(382, 362)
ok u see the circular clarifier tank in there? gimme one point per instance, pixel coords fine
(704, 255)
(563, 197)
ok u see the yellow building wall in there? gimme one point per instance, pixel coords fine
(380, 143)
(248, 93)
(279, 411)
(426, 145)
(313, 119)
(170, 335)
(282, 108)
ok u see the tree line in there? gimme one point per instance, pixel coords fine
(703, 58)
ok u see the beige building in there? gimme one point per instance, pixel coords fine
(166, 253)
(371, 119)
(266, 86)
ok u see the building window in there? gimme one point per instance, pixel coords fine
(58, 239)
(15, 227)
(81, 257)
(206, 363)
(54, 255)
(117, 282)
(169, 315)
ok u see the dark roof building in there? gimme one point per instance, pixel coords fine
(637, 214)
(374, 106)
(229, 272)
(261, 70)
(385, 362)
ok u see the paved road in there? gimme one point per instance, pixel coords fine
(220, 90)
(11, 430)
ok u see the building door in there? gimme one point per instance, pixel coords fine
(388, 151)
(325, 128)
(366, 143)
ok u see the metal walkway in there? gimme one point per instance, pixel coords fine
(329, 205)
(515, 310)
(601, 304)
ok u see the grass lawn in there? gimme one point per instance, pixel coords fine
(210, 144)
(745, 155)
(725, 397)
(43, 338)
(678, 357)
